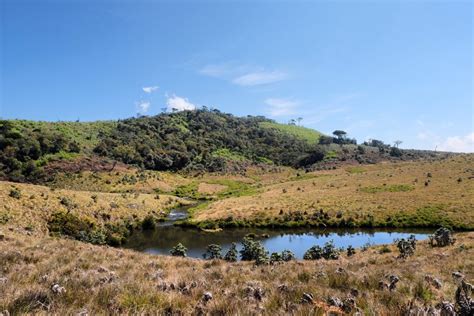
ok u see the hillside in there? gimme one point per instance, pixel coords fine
(310, 135)
(57, 276)
(199, 140)
(189, 141)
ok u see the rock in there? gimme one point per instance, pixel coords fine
(207, 296)
(307, 298)
(3, 280)
(57, 289)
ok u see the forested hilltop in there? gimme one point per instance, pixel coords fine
(194, 141)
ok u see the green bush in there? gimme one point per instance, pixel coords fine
(253, 250)
(179, 250)
(68, 224)
(148, 223)
(213, 251)
(15, 193)
(406, 247)
(231, 254)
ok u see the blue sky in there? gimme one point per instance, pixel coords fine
(387, 70)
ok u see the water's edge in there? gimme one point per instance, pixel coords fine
(298, 240)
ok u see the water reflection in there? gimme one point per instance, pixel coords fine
(161, 240)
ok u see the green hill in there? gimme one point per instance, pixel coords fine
(310, 135)
(191, 140)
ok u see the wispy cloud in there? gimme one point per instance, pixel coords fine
(243, 75)
(150, 89)
(176, 103)
(281, 107)
(260, 78)
(458, 143)
(143, 106)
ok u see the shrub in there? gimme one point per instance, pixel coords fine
(287, 255)
(384, 249)
(313, 253)
(231, 255)
(67, 202)
(15, 193)
(406, 246)
(284, 256)
(179, 250)
(330, 252)
(68, 224)
(395, 152)
(442, 238)
(253, 250)
(213, 251)
(350, 251)
(149, 223)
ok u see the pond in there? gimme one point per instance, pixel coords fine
(166, 236)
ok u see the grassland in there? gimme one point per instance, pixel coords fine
(33, 206)
(420, 193)
(101, 280)
(308, 134)
(35, 255)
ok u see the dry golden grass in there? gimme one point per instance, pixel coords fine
(210, 188)
(361, 191)
(104, 280)
(37, 203)
(127, 180)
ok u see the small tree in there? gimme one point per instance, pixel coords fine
(213, 251)
(339, 134)
(231, 255)
(179, 250)
(397, 143)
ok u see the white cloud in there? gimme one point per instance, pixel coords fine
(179, 103)
(281, 107)
(217, 70)
(260, 78)
(150, 89)
(458, 144)
(143, 106)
